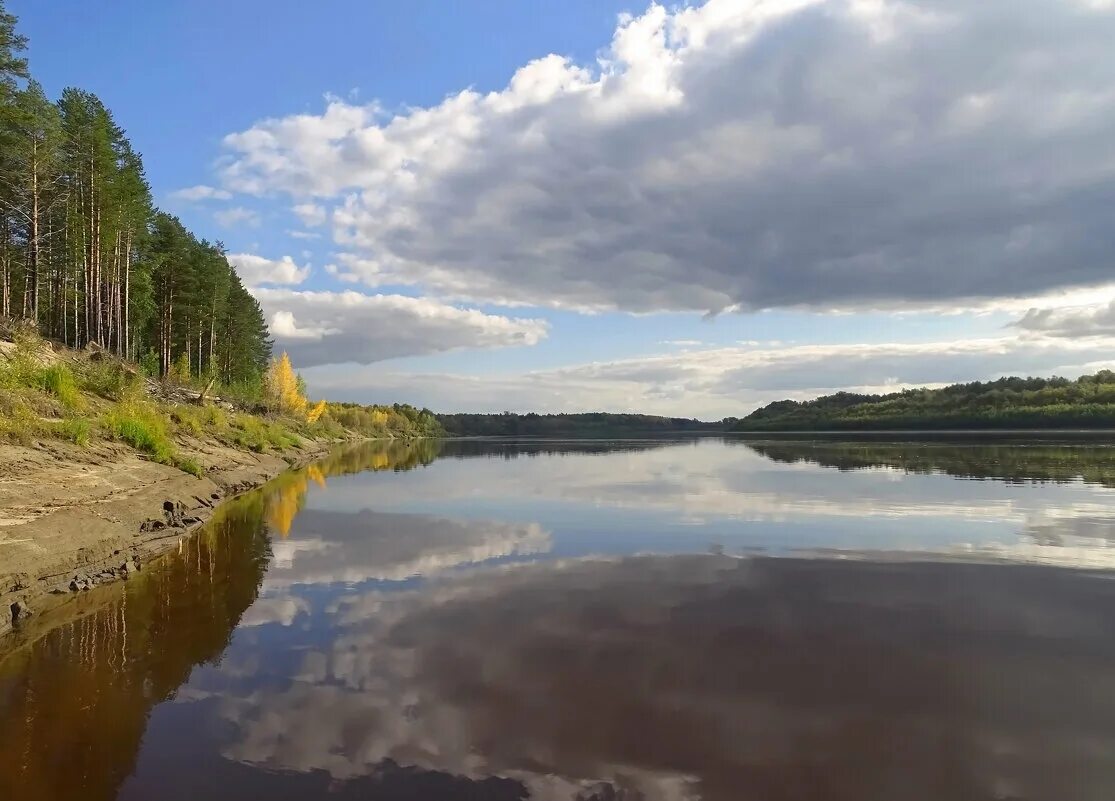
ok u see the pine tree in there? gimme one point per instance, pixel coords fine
(86, 256)
(13, 68)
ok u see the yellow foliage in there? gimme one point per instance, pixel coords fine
(315, 474)
(313, 414)
(286, 498)
(284, 385)
(379, 417)
(284, 504)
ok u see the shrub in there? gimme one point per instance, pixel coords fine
(149, 364)
(110, 380)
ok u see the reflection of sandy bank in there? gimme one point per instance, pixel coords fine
(713, 678)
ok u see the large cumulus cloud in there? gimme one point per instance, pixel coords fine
(796, 153)
(319, 328)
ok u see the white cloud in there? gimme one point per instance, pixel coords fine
(303, 234)
(369, 545)
(319, 328)
(1079, 321)
(194, 194)
(236, 216)
(739, 154)
(255, 270)
(719, 382)
(311, 214)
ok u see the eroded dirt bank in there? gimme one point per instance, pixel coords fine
(72, 518)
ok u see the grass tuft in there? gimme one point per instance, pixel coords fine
(144, 430)
(58, 380)
(75, 429)
(189, 466)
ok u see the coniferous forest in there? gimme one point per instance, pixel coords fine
(87, 257)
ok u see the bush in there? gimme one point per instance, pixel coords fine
(110, 380)
(149, 364)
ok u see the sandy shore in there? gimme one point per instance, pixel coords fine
(72, 517)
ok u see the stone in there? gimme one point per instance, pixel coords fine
(20, 610)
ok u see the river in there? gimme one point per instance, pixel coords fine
(663, 620)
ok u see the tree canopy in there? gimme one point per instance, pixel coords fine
(1087, 402)
(86, 256)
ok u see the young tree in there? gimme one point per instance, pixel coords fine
(283, 384)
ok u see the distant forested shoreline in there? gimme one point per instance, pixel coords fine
(1008, 403)
(590, 424)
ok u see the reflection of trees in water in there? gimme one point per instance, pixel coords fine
(1094, 464)
(528, 448)
(75, 703)
(284, 496)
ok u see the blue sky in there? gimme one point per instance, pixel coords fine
(688, 210)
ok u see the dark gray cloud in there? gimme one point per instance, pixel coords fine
(800, 153)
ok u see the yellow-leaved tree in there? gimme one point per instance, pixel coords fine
(314, 414)
(283, 383)
(286, 387)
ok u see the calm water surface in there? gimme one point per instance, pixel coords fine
(651, 620)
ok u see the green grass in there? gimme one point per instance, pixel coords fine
(188, 420)
(74, 429)
(189, 466)
(58, 380)
(144, 430)
(18, 421)
(255, 434)
(41, 397)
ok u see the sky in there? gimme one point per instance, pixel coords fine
(689, 209)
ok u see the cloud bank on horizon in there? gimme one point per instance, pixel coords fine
(812, 156)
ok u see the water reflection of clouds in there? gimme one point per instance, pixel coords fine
(711, 483)
(328, 547)
(750, 673)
